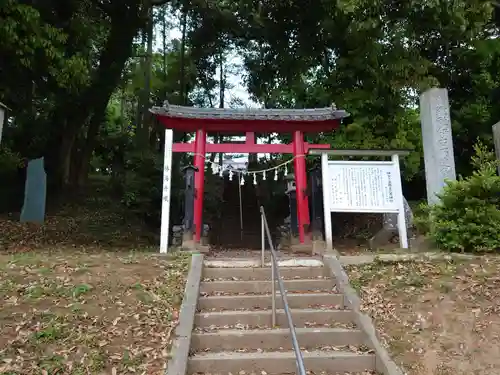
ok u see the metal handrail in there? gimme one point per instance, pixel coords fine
(275, 276)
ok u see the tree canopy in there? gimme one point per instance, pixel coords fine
(79, 76)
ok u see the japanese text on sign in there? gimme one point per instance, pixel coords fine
(364, 187)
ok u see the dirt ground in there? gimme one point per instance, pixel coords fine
(88, 313)
(439, 318)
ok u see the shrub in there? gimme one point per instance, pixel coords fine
(9, 161)
(421, 218)
(142, 185)
(11, 180)
(468, 215)
(142, 188)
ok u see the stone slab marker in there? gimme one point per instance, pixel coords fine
(3, 109)
(437, 141)
(390, 227)
(496, 139)
(35, 192)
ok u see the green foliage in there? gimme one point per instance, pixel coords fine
(9, 161)
(142, 185)
(64, 62)
(421, 218)
(467, 218)
(142, 189)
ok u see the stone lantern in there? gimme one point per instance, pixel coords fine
(291, 191)
(316, 194)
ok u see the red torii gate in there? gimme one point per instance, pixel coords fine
(250, 121)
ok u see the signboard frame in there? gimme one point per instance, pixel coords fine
(397, 191)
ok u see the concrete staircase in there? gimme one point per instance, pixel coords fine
(233, 331)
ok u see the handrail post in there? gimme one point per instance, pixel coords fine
(276, 277)
(263, 240)
(273, 292)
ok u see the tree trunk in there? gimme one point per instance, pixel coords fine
(182, 80)
(164, 39)
(222, 91)
(93, 101)
(123, 103)
(222, 81)
(82, 163)
(143, 130)
(140, 96)
(65, 151)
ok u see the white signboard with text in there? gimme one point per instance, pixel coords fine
(363, 187)
(360, 187)
(165, 204)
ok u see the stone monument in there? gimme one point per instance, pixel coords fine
(437, 141)
(3, 109)
(390, 227)
(496, 139)
(35, 192)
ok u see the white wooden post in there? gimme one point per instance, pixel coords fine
(327, 212)
(403, 233)
(167, 177)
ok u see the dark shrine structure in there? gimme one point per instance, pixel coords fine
(249, 122)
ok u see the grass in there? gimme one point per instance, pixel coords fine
(80, 313)
(436, 318)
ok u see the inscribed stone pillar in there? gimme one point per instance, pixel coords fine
(496, 139)
(2, 119)
(437, 141)
(35, 192)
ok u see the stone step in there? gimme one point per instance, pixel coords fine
(273, 363)
(263, 301)
(275, 339)
(259, 273)
(263, 318)
(263, 287)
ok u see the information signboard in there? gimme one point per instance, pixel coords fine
(361, 187)
(364, 187)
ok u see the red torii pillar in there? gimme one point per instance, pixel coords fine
(199, 182)
(299, 154)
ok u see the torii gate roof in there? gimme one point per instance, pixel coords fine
(249, 119)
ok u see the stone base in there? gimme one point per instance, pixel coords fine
(318, 244)
(301, 248)
(192, 246)
(204, 249)
(294, 240)
(318, 247)
(284, 240)
(292, 244)
(204, 241)
(184, 239)
(383, 237)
